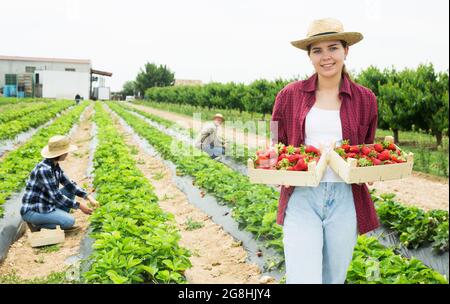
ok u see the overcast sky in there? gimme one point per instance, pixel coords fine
(233, 40)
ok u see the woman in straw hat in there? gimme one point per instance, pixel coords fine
(321, 224)
(44, 204)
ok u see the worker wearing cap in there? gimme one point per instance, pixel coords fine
(44, 204)
(209, 139)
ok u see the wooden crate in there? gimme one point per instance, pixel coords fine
(351, 174)
(309, 178)
(46, 237)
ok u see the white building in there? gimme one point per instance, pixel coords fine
(47, 77)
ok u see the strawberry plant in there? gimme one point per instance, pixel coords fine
(413, 225)
(135, 241)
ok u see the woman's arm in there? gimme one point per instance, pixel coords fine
(277, 128)
(72, 186)
(80, 192)
(48, 180)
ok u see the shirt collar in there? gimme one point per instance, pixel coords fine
(310, 85)
(51, 163)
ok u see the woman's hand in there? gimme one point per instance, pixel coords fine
(93, 202)
(85, 209)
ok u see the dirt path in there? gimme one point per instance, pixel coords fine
(419, 190)
(231, 134)
(217, 257)
(28, 262)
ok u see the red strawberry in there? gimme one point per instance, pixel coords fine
(389, 145)
(311, 149)
(351, 155)
(345, 145)
(376, 161)
(354, 149)
(293, 158)
(290, 168)
(366, 150)
(399, 152)
(281, 156)
(385, 155)
(378, 147)
(297, 151)
(301, 165)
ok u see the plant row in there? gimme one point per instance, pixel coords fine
(15, 112)
(254, 207)
(14, 127)
(135, 241)
(414, 226)
(17, 165)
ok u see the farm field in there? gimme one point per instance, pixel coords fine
(168, 215)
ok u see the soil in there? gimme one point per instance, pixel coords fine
(29, 262)
(216, 256)
(421, 190)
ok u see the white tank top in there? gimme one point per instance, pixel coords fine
(323, 127)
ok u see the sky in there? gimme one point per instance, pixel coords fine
(234, 40)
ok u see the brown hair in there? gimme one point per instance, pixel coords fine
(344, 45)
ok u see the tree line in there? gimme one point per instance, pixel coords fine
(408, 99)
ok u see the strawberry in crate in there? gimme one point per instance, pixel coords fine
(289, 158)
(380, 153)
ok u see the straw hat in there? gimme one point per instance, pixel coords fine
(218, 115)
(57, 145)
(327, 29)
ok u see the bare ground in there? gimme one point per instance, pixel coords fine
(421, 190)
(217, 256)
(29, 262)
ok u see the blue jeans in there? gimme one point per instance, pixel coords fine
(320, 233)
(59, 217)
(216, 151)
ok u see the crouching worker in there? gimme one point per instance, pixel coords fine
(44, 204)
(209, 139)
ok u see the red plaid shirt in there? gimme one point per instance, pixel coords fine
(359, 118)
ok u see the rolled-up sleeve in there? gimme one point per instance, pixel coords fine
(277, 127)
(51, 186)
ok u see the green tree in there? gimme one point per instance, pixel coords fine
(153, 76)
(432, 101)
(128, 88)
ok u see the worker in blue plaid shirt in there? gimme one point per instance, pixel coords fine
(44, 204)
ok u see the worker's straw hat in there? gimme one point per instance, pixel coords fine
(57, 146)
(218, 115)
(327, 29)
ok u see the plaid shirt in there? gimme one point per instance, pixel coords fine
(42, 193)
(359, 117)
